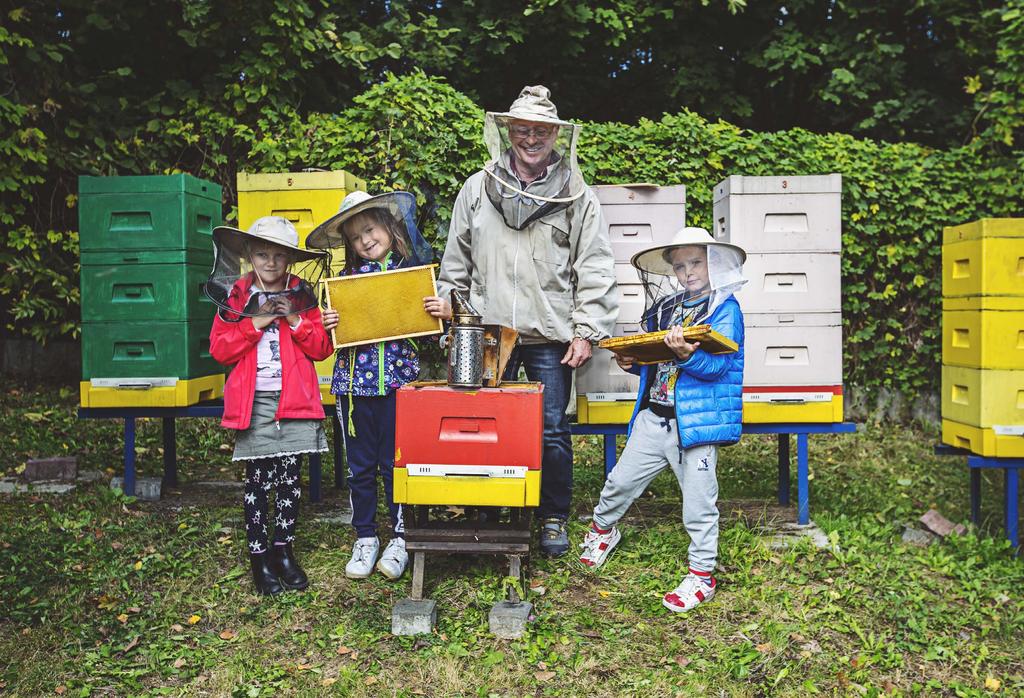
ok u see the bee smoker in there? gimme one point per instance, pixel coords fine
(465, 343)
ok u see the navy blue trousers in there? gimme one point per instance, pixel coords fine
(541, 362)
(371, 452)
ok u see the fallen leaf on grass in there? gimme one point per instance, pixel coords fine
(224, 447)
(992, 684)
(303, 667)
(138, 565)
(116, 546)
(370, 680)
(179, 662)
(544, 675)
(604, 594)
(763, 647)
(60, 690)
(194, 618)
(343, 650)
(131, 645)
(33, 416)
(811, 647)
(134, 609)
(329, 682)
(123, 618)
(539, 590)
(682, 661)
(227, 635)
(177, 628)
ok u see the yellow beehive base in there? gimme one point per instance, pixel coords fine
(982, 397)
(325, 374)
(825, 412)
(620, 412)
(984, 442)
(603, 412)
(182, 394)
(467, 490)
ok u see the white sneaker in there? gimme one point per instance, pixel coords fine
(690, 593)
(393, 561)
(364, 554)
(598, 546)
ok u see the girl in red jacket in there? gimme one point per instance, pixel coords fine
(268, 330)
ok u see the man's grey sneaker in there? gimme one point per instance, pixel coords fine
(554, 540)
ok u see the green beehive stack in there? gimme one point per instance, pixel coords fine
(983, 337)
(146, 249)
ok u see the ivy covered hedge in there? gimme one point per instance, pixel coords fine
(418, 133)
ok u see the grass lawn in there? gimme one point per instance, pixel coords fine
(102, 595)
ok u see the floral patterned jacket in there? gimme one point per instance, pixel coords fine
(375, 369)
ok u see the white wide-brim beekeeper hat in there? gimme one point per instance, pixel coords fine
(655, 260)
(274, 229)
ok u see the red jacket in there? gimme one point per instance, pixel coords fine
(234, 344)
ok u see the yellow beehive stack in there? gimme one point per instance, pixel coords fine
(306, 199)
(983, 337)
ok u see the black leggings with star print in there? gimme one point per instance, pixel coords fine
(262, 475)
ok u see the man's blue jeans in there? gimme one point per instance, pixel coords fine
(541, 362)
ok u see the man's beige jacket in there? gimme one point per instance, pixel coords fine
(552, 281)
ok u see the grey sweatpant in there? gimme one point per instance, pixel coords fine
(652, 446)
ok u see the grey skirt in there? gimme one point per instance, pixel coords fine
(267, 438)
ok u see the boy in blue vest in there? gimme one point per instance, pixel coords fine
(685, 409)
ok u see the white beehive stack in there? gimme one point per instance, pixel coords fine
(791, 230)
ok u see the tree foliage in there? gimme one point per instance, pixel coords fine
(108, 87)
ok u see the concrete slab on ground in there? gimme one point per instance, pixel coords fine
(414, 617)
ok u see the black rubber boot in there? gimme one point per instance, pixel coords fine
(266, 581)
(286, 567)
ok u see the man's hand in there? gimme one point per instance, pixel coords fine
(330, 318)
(579, 353)
(625, 362)
(438, 307)
(676, 341)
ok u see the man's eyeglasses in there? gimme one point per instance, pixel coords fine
(521, 132)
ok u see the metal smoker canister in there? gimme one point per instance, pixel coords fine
(466, 356)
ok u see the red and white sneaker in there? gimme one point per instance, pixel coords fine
(691, 592)
(598, 545)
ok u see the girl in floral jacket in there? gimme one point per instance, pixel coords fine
(378, 234)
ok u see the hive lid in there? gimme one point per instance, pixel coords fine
(803, 184)
(984, 228)
(299, 181)
(149, 184)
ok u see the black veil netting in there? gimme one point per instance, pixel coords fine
(232, 269)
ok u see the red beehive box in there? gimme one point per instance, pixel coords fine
(473, 447)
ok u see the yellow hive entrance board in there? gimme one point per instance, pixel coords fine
(382, 306)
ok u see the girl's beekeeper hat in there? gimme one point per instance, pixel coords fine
(273, 229)
(400, 204)
(657, 260)
(232, 258)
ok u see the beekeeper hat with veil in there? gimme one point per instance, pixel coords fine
(531, 136)
(233, 250)
(663, 290)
